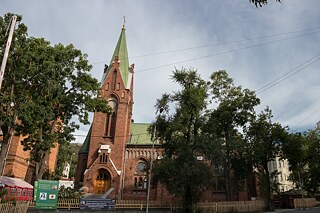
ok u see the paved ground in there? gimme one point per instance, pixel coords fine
(311, 210)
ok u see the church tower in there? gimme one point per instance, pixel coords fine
(101, 158)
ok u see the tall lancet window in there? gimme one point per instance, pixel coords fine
(114, 78)
(111, 118)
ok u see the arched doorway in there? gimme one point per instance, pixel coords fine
(103, 182)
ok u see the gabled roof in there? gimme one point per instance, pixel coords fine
(121, 52)
(140, 134)
(85, 146)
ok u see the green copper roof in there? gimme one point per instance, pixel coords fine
(140, 134)
(85, 146)
(122, 52)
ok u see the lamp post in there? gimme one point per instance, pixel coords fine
(150, 169)
(152, 156)
(6, 52)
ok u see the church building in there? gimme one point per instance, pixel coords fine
(116, 154)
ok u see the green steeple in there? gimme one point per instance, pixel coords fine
(121, 52)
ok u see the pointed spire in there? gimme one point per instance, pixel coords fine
(121, 54)
(124, 23)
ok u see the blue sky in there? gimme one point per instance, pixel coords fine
(255, 45)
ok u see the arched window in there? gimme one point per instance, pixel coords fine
(142, 167)
(135, 182)
(140, 183)
(145, 183)
(114, 78)
(103, 175)
(111, 118)
(103, 158)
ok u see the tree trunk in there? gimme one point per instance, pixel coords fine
(188, 201)
(227, 179)
(267, 176)
(227, 167)
(41, 166)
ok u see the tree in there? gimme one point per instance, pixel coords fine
(260, 3)
(303, 153)
(294, 149)
(312, 182)
(180, 170)
(265, 139)
(235, 109)
(47, 86)
(10, 101)
(68, 153)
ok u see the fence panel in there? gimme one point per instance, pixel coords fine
(67, 203)
(204, 207)
(18, 207)
(304, 203)
(231, 206)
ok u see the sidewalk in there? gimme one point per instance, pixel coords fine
(308, 210)
(281, 210)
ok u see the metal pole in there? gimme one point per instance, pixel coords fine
(6, 52)
(150, 170)
(124, 170)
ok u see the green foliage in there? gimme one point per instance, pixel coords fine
(4, 197)
(68, 153)
(303, 154)
(3, 192)
(235, 109)
(180, 132)
(265, 139)
(192, 130)
(313, 159)
(10, 102)
(45, 87)
(68, 193)
(260, 3)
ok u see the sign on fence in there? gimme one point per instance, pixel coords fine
(46, 194)
(97, 204)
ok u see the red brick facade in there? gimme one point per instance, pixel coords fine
(17, 164)
(110, 153)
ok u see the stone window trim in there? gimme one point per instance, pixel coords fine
(103, 157)
(111, 118)
(140, 182)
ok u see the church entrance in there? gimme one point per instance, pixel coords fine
(103, 182)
